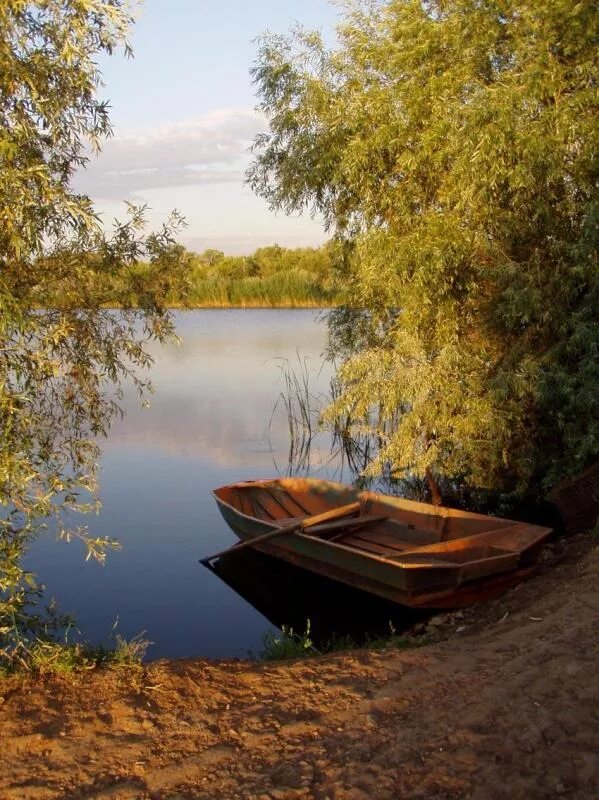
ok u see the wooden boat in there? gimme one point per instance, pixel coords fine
(412, 553)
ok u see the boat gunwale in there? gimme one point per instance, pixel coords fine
(399, 502)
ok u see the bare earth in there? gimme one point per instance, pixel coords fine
(505, 704)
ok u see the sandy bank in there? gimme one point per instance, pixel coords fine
(504, 705)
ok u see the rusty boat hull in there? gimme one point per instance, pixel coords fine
(415, 554)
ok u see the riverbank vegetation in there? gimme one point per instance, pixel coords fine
(272, 277)
(61, 367)
(290, 644)
(452, 147)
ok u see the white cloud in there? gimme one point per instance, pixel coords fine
(211, 149)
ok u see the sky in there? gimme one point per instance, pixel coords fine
(184, 116)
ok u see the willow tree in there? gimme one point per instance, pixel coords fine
(64, 351)
(452, 144)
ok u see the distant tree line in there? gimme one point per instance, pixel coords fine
(272, 276)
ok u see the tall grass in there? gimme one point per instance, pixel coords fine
(280, 290)
(301, 407)
(352, 444)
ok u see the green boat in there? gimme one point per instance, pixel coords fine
(412, 553)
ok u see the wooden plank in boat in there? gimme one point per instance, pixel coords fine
(244, 502)
(386, 539)
(514, 537)
(288, 502)
(412, 535)
(265, 507)
(262, 503)
(476, 552)
(349, 524)
(315, 503)
(279, 505)
(354, 540)
(440, 521)
(518, 537)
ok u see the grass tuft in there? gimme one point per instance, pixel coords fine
(46, 657)
(289, 645)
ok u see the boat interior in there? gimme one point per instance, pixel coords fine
(382, 525)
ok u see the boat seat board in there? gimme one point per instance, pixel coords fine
(367, 546)
(364, 541)
(411, 534)
(382, 536)
(349, 523)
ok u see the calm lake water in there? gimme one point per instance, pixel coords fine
(210, 422)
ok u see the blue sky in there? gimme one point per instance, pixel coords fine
(183, 112)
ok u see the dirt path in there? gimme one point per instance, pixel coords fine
(505, 706)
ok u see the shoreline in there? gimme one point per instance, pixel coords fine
(245, 306)
(501, 705)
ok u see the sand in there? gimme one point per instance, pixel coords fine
(502, 705)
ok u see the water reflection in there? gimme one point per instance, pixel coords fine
(287, 595)
(216, 390)
(209, 424)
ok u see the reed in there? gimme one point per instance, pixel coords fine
(281, 290)
(302, 408)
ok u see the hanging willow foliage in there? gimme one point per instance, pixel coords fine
(63, 351)
(452, 144)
